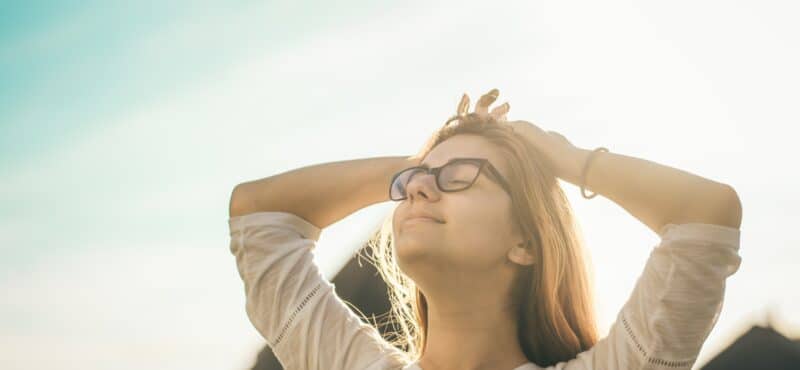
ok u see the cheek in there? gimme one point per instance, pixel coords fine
(480, 234)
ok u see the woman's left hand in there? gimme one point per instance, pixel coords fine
(560, 153)
(564, 157)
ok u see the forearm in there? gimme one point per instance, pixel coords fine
(656, 194)
(323, 193)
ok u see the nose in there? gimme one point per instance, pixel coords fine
(423, 185)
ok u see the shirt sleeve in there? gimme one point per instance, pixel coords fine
(293, 306)
(674, 305)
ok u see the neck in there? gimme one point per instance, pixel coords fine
(479, 334)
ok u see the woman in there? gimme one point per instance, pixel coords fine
(482, 255)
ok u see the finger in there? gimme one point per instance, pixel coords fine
(463, 105)
(500, 112)
(482, 106)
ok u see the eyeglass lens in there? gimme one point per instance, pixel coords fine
(453, 176)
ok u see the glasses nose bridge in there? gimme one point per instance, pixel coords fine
(433, 172)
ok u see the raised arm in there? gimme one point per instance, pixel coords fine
(275, 223)
(655, 194)
(326, 193)
(322, 193)
(679, 295)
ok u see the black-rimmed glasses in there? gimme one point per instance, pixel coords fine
(456, 175)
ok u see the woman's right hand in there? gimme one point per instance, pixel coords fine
(481, 108)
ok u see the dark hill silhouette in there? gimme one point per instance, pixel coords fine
(758, 348)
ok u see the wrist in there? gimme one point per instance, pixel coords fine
(571, 165)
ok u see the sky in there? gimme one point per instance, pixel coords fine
(124, 128)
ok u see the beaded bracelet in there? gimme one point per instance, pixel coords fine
(586, 169)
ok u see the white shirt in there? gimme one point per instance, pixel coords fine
(670, 312)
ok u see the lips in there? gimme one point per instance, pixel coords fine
(423, 219)
(424, 216)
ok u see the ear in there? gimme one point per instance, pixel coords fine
(522, 254)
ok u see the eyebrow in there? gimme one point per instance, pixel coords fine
(425, 165)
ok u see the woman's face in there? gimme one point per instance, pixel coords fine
(476, 234)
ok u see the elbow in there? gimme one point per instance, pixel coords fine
(734, 205)
(717, 205)
(238, 203)
(728, 210)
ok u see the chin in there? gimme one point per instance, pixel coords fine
(410, 253)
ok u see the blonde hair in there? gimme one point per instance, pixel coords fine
(556, 317)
